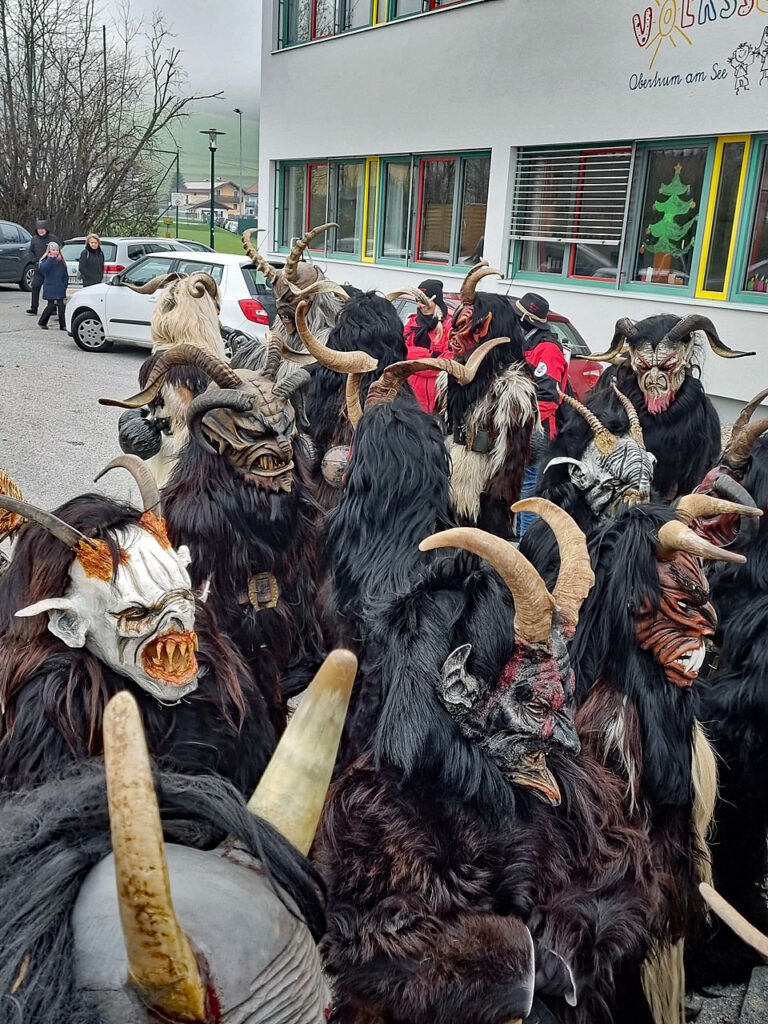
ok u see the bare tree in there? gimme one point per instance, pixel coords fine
(77, 138)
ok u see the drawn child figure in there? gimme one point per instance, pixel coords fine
(740, 60)
(762, 52)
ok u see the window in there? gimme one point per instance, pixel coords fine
(9, 234)
(474, 204)
(756, 271)
(148, 268)
(569, 210)
(294, 178)
(317, 203)
(371, 197)
(348, 207)
(354, 14)
(723, 216)
(436, 188)
(305, 20)
(407, 8)
(397, 185)
(194, 266)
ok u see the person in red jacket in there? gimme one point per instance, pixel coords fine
(427, 335)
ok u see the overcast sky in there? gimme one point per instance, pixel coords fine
(221, 44)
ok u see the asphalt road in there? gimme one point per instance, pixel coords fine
(54, 436)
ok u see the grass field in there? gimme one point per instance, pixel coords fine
(223, 241)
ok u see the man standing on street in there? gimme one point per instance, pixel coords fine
(38, 246)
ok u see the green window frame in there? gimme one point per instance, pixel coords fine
(754, 214)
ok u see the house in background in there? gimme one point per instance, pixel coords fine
(202, 209)
(226, 194)
(252, 201)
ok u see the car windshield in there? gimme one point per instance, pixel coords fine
(71, 250)
(255, 281)
(570, 338)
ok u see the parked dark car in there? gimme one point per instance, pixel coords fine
(17, 265)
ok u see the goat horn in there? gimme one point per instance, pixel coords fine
(704, 506)
(419, 295)
(676, 536)
(352, 391)
(142, 474)
(179, 355)
(533, 602)
(274, 347)
(744, 434)
(62, 531)
(318, 288)
(473, 278)
(292, 790)
(160, 960)
(156, 283)
(605, 441)
(256, 258)
(746, 413)
(199, 283)
(217, 398)
(292, 263)
(575, 579)
(624, 330)
(291, 382)
(698, 322)
(730, 916)
(635, 429)
(341, 362)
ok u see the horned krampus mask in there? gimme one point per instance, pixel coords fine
(466, 334)
(527, 711)
(660, 352)
(246, 416)
(168, 932)
(137, 616)
(613, 469)
(187, 306)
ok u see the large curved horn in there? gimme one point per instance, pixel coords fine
(533, 602)
(352, 394)
(575, 579)
(341, 362)
(605, 441)
(142, 474)
(744, 434)
(697, 322)
(676, 536)
(318, 288)
(291, 264)
(256, 258)
(291, 382)
(705, 506)
(160, 960)
(625, 330)
(473, 278)
(419, 295)
(199, 283)
(217, 398)
(292, 790)
(179, 355)
(62, 531)
(156, 283)
(746, 413)
(730, 916)
(635, 429)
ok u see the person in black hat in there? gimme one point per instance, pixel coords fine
(426, 334)
(38, 246)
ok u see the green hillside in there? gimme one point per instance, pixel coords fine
(195, 157)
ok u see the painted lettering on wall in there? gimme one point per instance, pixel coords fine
(670, 24)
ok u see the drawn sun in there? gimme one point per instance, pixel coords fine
(668, 27)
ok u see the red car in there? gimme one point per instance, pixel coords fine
(582, 370)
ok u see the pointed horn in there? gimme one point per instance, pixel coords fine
(420, 296)
(697, 322)
(142, 474)
(156, 283)
(291, 383)
(676, 536)
(256, 258)
(705, 506)
(341, 362)
(274, 348)
(473, 278)
(216, 398)
(318, 288)
(533, 602)
(66, 534)
(160, 960)
(575, 579)
(738, 924)
(291, 264)
(178, 355)
(292, 790)
(745, 434)
(746, 413)
(635, 429)
(625, 330)
(354, 405)
(605, 441)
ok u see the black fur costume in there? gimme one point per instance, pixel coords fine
(55, 696)
(54, 834)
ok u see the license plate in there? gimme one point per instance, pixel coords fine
(75, 279)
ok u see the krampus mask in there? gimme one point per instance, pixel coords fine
(135, 612)
(527, 712)
(660, 351)
(613, 469)
(207, 936)
(246, 416)
(468, 329)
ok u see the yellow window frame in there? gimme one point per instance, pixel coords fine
(722, 142)
(370, 163)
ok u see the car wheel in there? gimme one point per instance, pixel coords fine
(88, 332)
(27, 278)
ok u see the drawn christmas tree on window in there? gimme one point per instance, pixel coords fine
(669, 233)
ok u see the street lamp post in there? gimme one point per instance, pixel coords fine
(212, 134)
(239, 113)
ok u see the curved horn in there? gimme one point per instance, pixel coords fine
(156, 283)
(419, 295)
(274, 347)
(292, 790)
(704, 506)
(730, 916)
(218, 398)
(676, 536)
(575, 579)
(533, 602)
(160, 960)
(341, 362)
(256, 258)
(605, 441)
(625, 330)
(142, 474)
(698, 322)
(287, 385)
(473, 278)
(635, 429)
(200, 282)
(352, 392)
(179, 355)
(746, 413)
(62, 531)
(318, 288)
(744, 434)
(289, 270)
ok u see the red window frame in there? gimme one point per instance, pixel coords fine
(313, 30)
(422, 162)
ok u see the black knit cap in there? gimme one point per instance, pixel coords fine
(433, 289)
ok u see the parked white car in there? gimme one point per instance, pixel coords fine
(119, 253)
(102, 314)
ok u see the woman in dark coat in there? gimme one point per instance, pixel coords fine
(91, 262)
(55, 281)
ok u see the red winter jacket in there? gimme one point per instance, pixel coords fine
(424, 383)
(550, 371)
